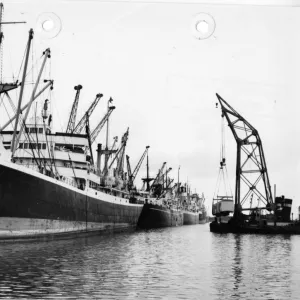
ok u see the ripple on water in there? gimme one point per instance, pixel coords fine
(185, 262)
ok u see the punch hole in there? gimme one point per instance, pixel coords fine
(203, 26)
(48, 25)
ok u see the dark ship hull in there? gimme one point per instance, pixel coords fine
(231, 227)
(203, 217)
(202, 220)
(156, 216)
(33, 205)
(190, 218)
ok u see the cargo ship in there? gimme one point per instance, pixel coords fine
(194, 211)
(242, 214)
(162, 208)
(203, 218)
(170, 205)
(50, 183)
(155, 215)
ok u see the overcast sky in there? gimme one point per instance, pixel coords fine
(163, 80)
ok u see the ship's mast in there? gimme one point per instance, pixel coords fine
(147, 180)
(5, 87)
(178, 189)
(148, 185)
(22, 90)
(107, 137)
(1, 23)
(46, 54)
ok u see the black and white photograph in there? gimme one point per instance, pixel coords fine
(150, 149)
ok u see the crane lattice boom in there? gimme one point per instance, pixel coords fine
(137, 168)
(128, 169)
(81, 124)
(120, 155)
(251, 167)
(158, 176)
(132, 175)
(72, 118)
(98, 128)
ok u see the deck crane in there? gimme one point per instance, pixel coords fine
(132, 175)
(72, 118)
(98, 128)
(130, 183)
(113, 146)
(161, 181)
(119, 157)
(156, 180)
(165, 178)
(92, 136)
(88, 133)
(251, 167)
(164, 192)
(106, 152)
(81, 124)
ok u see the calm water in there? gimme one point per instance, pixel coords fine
(175, 263)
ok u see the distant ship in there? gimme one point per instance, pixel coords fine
(194, 211)
(50, 182)
(161, 209)
(168, 206)
(156, 214)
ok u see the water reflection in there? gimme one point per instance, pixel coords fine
(237, 265)
(252, 266)
(175, 263)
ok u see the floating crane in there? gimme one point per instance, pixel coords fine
(81, 124)
(132, 176)
(249, 152)
(71, 123)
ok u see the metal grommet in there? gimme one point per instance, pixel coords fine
(48, 25)
(203, 26)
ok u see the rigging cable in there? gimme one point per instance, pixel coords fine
(223, 174)
(1, 47)
(22, 62)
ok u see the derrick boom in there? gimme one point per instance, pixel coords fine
(119, 156)
(80, 125)
(72, 118)
(98, 128)
(132, 175)
(158, 176)
(251, 169)
(128, 169)
(137, 168)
